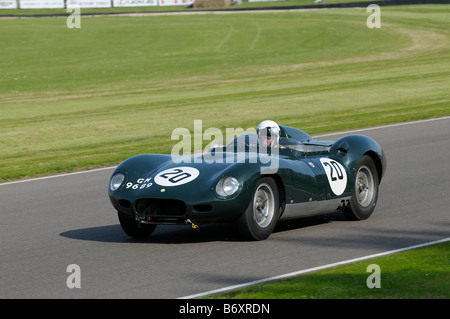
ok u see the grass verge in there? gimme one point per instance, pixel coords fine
(415, 274)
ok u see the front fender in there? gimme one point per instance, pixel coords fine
(198, 194)
(142, 164)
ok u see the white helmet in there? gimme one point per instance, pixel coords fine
(268, 133)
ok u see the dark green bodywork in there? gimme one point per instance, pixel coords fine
(300, 177)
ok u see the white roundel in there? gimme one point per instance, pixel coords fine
(176, 176)
(336, 174)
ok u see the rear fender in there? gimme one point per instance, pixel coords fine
(350, 149)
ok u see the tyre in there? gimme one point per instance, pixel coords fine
(134, 229)
(259, 219)
(365, 191)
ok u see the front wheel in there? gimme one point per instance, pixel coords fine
(259, 219)
(365, 191)
(134, 229)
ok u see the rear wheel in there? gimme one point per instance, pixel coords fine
(134, 229)
(259, 219)
(365, 191)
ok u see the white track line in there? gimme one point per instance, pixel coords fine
(55, 176)
(317, 136)
(301, 272)
(383, 126)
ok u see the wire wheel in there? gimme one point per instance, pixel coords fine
(365, 191)
(263, 205)
(259, 219)
(364, 186)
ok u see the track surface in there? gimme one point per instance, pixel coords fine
(48, 224)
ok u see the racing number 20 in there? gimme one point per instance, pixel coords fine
(336, 175)
(179, 175)
(176, 176)
(334, 167)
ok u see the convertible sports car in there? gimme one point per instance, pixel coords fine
(229, 183)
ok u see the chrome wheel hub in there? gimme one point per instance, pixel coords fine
(263, 205)
(365, 188)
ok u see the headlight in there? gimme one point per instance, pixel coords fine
(116, 181)
(227, 186)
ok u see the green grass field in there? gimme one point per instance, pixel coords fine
(415, 274)
(73, 99)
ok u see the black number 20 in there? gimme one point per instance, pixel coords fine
(334, 167)
(179, 175)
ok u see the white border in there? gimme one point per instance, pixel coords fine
(317, 136)
(304, 271)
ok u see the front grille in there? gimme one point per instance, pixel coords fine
(124, 203)
(156, 207)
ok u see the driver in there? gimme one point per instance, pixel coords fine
(268, 134)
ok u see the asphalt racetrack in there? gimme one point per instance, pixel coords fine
(49, 224)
